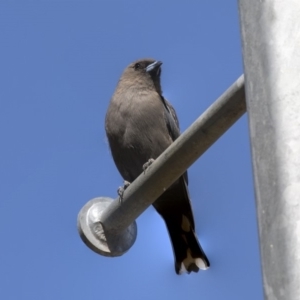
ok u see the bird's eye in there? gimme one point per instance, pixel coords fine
(137, 66)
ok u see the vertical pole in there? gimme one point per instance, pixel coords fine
(271, 48)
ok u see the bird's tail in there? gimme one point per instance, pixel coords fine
(188, 254)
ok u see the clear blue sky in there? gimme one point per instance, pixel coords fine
(59, 64)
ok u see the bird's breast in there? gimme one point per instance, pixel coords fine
(137, 122)
(136, 130)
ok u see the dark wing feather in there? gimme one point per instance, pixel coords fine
(171, 119)
(172, 124)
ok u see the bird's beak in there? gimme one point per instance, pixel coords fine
(153, 67)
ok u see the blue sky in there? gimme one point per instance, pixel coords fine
(59, 64)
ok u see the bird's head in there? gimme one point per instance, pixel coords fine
(145, 71)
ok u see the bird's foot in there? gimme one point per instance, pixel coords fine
(148, 164)
(122, 189)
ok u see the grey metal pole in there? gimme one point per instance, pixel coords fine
(271, 49)
(102, 222)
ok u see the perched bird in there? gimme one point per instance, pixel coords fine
(140, 124)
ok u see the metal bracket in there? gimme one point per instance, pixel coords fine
(94, 235)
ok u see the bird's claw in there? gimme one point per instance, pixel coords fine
(148, 164)
(122, 189)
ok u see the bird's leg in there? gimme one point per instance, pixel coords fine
(122, 189)
(148, 164)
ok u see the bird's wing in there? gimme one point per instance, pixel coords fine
(172, 125)
(171, 119)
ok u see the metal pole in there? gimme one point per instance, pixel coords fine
(102, 222)
(271, 49)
